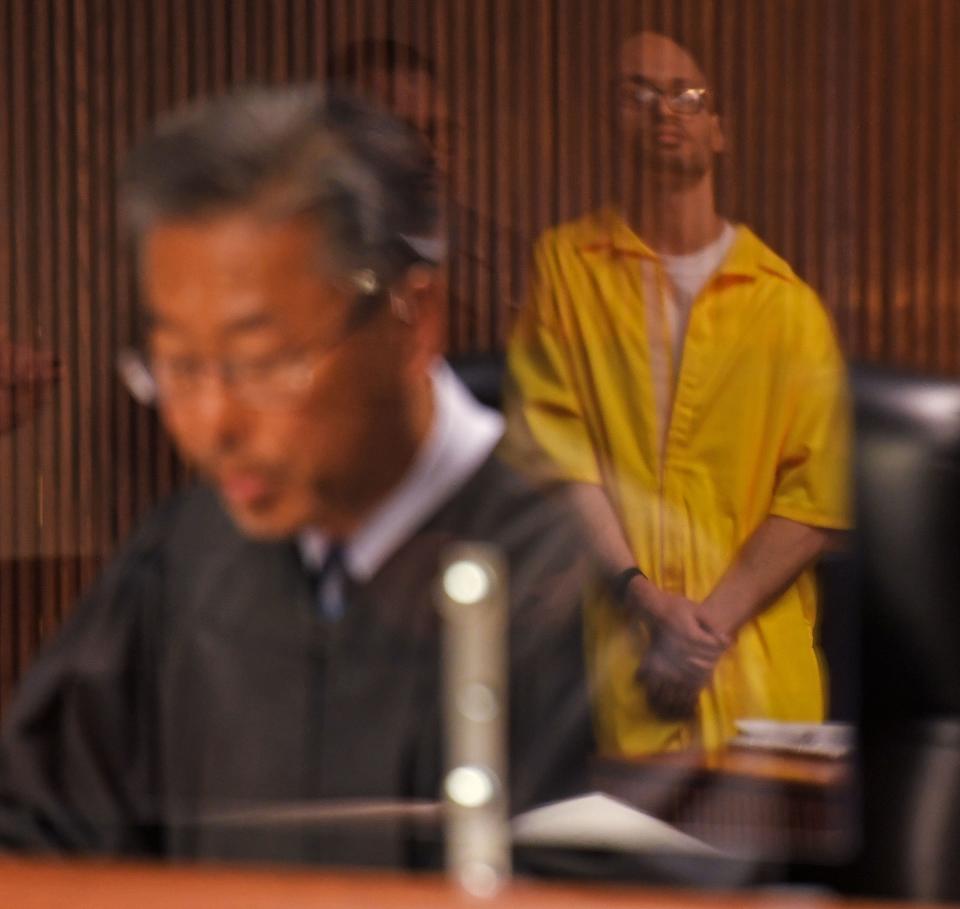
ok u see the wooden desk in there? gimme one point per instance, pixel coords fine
(87, 885)
(766, 806)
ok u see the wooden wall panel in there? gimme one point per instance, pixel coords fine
(843, 118)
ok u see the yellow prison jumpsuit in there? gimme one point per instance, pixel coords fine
(758, 426)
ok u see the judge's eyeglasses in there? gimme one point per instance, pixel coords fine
(278, 378)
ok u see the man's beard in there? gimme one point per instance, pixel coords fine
(674, 169)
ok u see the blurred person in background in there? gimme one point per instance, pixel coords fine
(27, 377)
(270, 636)
(403, 80)
(690, 385)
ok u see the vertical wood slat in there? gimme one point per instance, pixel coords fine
(833, 87)
(163, 98)
(844, 256)
(897, 266)
(9, 602)
(259, 46)
(567, 95)
(183, 59)
(239, 68)
(280, 47)
(50, 593)
(123, 423)
(140, 112)
(61, 175)
(218, 46)
(872, 197)
(843, 125)
(302, 47)
(919, 302)
(481, 173)
(947, 190)
(82, 228)
(103, 289)
(460, 184)
(19, 226)
(505, 290)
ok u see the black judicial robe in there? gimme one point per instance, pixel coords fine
(196, 679)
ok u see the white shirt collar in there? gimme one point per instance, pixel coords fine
(463, 434)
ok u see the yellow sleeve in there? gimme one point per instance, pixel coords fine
(546, 434)
(813, 476)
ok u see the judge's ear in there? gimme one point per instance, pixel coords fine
(418, 300)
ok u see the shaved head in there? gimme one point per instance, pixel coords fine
(659, 58)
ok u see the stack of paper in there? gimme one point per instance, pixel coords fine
(827, 740)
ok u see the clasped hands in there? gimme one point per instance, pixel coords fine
(682, 653)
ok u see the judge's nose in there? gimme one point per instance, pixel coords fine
(213, 418)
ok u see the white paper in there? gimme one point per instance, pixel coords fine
(596, 821)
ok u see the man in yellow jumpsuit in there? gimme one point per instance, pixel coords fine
(690, 386)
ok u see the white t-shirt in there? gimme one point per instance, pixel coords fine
(668, 307)
(688, 275)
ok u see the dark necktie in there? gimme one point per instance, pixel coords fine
(331, 585)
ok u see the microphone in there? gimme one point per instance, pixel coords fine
(472, 599)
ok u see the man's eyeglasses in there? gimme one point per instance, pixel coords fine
(645, 96)
(277, 379)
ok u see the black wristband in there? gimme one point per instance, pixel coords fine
(620, 582)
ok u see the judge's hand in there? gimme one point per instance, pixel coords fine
(26, 377)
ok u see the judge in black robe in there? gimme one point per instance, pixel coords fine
(198, 679)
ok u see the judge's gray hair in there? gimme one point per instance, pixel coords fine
(366, 178)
